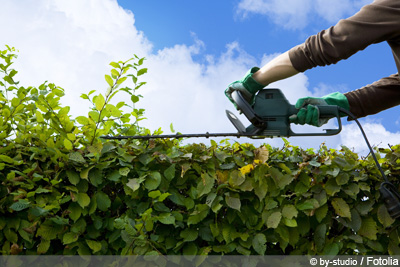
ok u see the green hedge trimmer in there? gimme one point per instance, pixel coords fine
(269, 117)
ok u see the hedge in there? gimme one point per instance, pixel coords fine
(65, 191)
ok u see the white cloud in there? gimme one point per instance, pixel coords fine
(377, 135)
(297, 14)
(71, 43)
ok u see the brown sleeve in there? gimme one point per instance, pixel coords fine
(375, 97)
(374, 23)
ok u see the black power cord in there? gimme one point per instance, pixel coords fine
(389, 193)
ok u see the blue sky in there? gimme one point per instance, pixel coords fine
(217, 23)
(194, 49)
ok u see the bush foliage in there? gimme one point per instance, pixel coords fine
(64, 190)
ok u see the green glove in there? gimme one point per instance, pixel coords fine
(309, 113)
(247, 86)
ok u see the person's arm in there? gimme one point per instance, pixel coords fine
(277, 69)
(374, 23)
(373, 98)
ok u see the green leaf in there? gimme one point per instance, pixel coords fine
(76, 157)
(6, 159)
(236, 178)
(274, 219)
(166, 218)
(342, 178)
(95, 177)
(82, 120)
(355, 222)
(39, 116)
(134, 183)
(109, 80)
(259, 243)
(190, 249)
(115, 73)
(142, 71)
(320, 236)
(309, 204)
(384, 217)
(84, 96)
(124, 171)
(121, 80)
(21, 204)
(200, 212)
(154, 194)
(83, 199)
(49, 230)
(115, 65)
(368, 228)
(189, 234)
(70, 237)
(281, 180)
(164, 196)
(169, 173)
(341, 207)
(289, 211)
(321, 212)
(290, 222)
(99, 102)
(68, 144)
(233, 202)
(95, 246)
(205, 184)
(134, 98)
(43, 247)
(75, 211)
(331, 187)
(152, 181)
(103, 201)
(331, 249)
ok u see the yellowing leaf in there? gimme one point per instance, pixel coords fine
(262, 154)
(247, 169)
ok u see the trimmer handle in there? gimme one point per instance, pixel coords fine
(325, 112)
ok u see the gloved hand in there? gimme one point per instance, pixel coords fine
(247, 86)
(309, 113)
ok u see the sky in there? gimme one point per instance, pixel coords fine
(193, 50)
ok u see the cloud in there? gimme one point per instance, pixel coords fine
(297, 14)
(69, 43)
(377, 135)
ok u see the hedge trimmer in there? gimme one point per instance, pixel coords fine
(269, 117)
